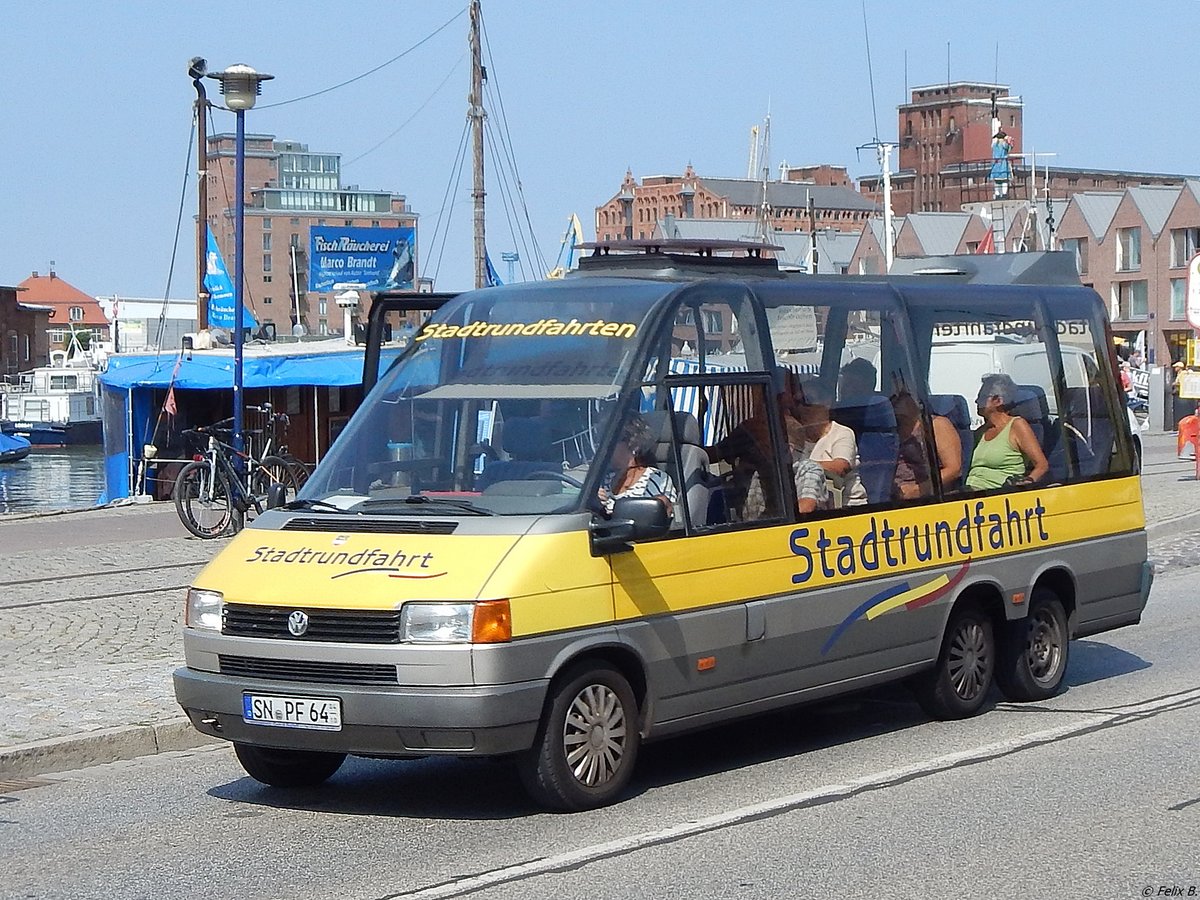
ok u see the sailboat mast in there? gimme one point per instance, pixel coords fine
(476, 115)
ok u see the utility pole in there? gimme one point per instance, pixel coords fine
(197, 68)
(812, 233)
(476, 115)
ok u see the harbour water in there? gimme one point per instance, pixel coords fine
(52, 478)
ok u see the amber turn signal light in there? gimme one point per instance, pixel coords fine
(491, 623)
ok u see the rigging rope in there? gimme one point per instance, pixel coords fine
(162, 314)
(416, 112)
(451, 188)
(382, 65)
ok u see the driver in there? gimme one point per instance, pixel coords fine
(634, 472)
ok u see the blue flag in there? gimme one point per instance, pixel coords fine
(493, 279)
(220, 290)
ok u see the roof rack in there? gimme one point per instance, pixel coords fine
(679, 257)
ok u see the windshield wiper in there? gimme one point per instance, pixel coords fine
(422, 500)
(313, 504)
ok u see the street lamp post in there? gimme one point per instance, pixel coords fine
(240, 86)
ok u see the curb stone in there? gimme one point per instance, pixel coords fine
(103, 746)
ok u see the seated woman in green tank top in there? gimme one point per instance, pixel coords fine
(1007, 451)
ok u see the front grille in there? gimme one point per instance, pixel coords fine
(348, 625)
(346, 525)
(307, 670)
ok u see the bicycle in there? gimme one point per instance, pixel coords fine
(274, 430)
(213, 498)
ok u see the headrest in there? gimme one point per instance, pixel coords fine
(866, 414)
(527, 438)
(660, 426)
(687, 427)
(1030, 403)
(953, 406)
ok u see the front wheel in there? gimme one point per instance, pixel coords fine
(958, 686)
(202, 500)
(1033, 659)
(288, 768)
(587, 742)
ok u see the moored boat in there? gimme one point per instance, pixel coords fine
(13, 448)
(55, 405)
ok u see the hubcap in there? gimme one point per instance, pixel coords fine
(968, 661)
(594, 735)
(1044, 652)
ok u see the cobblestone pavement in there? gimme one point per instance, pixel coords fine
(89, 625)
(91, 604)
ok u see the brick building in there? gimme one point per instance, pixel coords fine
(23, 332)
(289, 189)
(1133, 247)
(636, 211)
(945, 153)
(71, 310)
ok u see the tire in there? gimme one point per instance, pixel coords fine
(202, 500)
(272, 470)
(1033, 659)
(288, 768)
(298, 467)
(587, 742)
(958, 686)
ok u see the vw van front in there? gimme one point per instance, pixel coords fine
(416, 596)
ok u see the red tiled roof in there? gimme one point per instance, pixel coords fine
(50, 290)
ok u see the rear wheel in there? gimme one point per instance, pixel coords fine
(202, 500)
(958, 686)
(288, 768)
(587, 742)
(298, 467)
(1033, 659)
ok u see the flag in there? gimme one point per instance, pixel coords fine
(169, 404)
(493, 279)
(220, 290)
(987, 245)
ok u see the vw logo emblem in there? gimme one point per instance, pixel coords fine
(298, 623)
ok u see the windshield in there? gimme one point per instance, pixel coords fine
(498, 409)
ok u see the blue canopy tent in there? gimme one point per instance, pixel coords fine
(128, 387)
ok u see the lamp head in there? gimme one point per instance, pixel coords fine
(240, 85)
(197, 67)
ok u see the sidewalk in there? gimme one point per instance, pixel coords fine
(91, 607)
(90, 610)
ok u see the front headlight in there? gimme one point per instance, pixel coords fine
(436, 623)
(483, 622)
(203, 609)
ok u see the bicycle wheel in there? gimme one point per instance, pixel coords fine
(271, 470)
(298, 467)
(202, 500)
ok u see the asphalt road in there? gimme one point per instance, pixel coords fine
(1095, 793)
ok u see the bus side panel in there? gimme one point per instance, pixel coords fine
(1112, 581)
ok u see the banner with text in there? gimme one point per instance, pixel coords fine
(217, 282)
(378, 258)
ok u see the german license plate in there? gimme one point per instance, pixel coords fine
(292, 712)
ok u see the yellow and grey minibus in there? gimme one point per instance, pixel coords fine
(460, 577)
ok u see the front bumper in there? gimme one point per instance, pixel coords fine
(380, 720)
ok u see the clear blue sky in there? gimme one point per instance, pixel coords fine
(95, 107)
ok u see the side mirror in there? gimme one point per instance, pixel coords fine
(633, 519)
(276, 495)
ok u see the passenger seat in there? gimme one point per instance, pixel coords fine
(873, 422)
(693, 484)
(955, 408)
